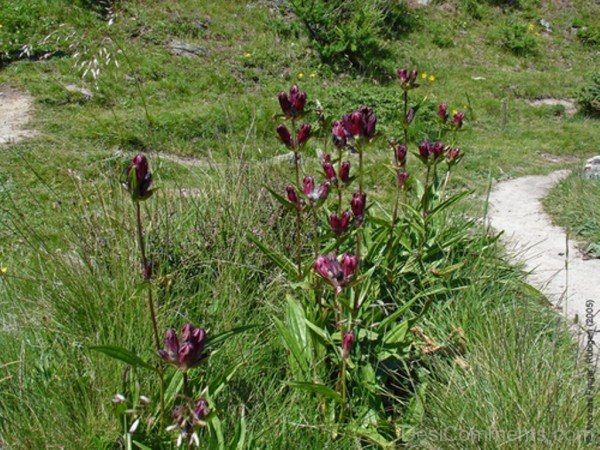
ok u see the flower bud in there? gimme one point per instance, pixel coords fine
(349, 265)
(408, 80)
(425, 148)
(171, 344)
(329, 172)
(410, 115)
(457, 119)
(358, 204)
(147, 270)
(437, 149)
(291, 194)
(402, 177)
(284, 103)
(355, 124)
(338, 224)
(308, 185)
(345, 172)
(442, 113)
(453, 155)
(323, 190)
(298, 102)
(303, 134)
(138, 178)
(338, 133)
(403, 75)
(285, 136)
(370, 120)
(347, 343)
(400, 152)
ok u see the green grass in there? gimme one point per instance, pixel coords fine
(67, 242)
(574, 204)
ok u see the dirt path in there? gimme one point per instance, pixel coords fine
(516, 208)
(15, 110)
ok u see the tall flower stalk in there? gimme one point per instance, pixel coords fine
(292, 106)
(138, 181)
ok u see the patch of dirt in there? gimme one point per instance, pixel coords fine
(569, 105)
(16, 108)
(559, 158)
(556, 266)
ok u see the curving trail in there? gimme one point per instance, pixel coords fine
(515, 207)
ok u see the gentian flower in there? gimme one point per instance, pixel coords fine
(453, 155)
(338, 132)
(138, 178)
(345, 172)
(347, 343)
(303, 134)
(442, 113)
(358, 204)
(425, 149)
(315, 194)
(292, 104)
(437, 149)
(285, 136)
(338, 224)
(402, 177)
(336, 274)
(457, 119)
(187, 354)
(291, 194)
(400, 152)
(408, 80)
(329, 172)
(360, 123)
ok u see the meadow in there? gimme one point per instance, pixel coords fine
(431, 338)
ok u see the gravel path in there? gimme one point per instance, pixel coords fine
(15, 111)
(516, 208)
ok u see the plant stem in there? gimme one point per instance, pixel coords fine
(141, 241)
(298, 211)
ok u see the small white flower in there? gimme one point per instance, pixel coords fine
(134, 425)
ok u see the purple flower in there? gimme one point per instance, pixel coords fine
(285, 136)
(425, 149)
(303, 134)
(338, 224)
(349, 265)
(189, 352)
(348, 340)
(338, 132)
(358, 204)
(291, 194)
(314, 193)
(402, 177)
(138, 178)
(147, 270)
(360, 123)
(292, 104)
(457, 119)
(400, 152)
(410, 115)
(437, 149)
(453, 155)
(336, 274)
(329, 172)
(442, 113)
(345, 172)
(408, 80)
(201, 409)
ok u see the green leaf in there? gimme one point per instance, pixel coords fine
(217, 385)
(397, 334)
(284, 201)
(141, 446)
(220, 338)
(123, 355)
(281, 261)
(319, 389)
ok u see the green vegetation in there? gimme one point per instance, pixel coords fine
(68, 259)
(575, 205)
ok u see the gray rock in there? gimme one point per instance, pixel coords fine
(186, 50)
(591, 170)
(81, 90)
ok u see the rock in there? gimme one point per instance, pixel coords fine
(81, 90)
(186, 50)
(591, 170)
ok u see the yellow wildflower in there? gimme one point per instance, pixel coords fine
(531, 27)
(313, 75)
(431, 78)
(3, 270)
(423, 75)
(454, 112)
(300, 75)
(248, 55)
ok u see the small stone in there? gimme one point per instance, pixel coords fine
(186, 50)
(591, 170)
(81, 90)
